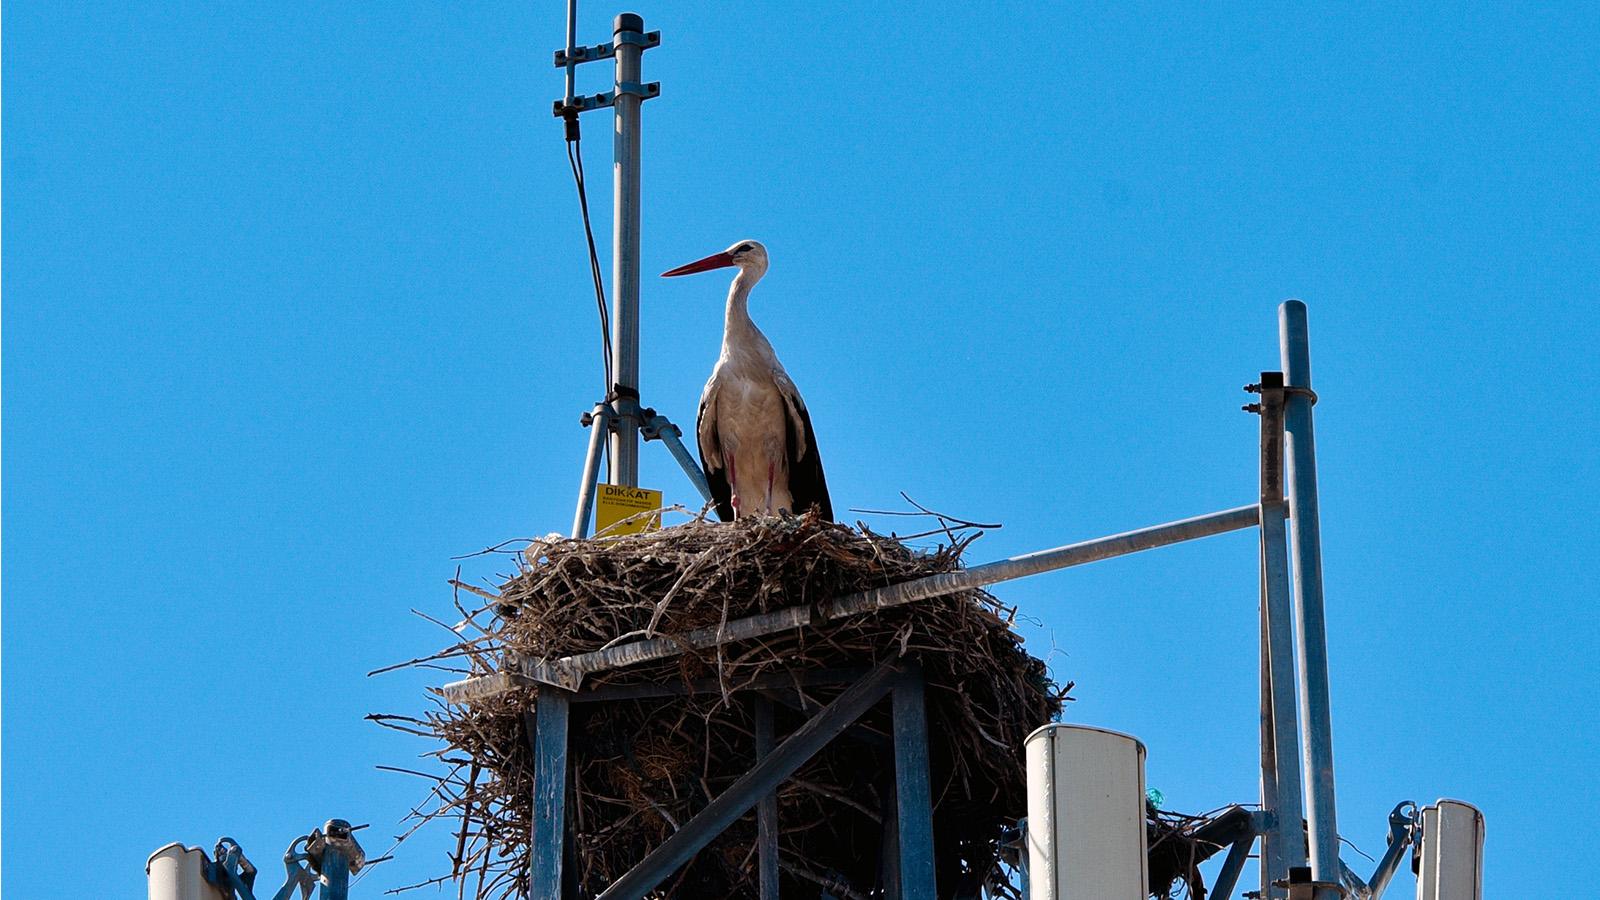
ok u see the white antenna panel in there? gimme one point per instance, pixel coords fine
(1451, 854)
(1086, 815)
(176, 872)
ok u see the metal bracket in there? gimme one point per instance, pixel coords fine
(584, 103)
(1301, 887)
(1270, 387)
(298, 876)
(1402, 834)
(331, 854)
(230, 872)
(580, 55)
(655, 427)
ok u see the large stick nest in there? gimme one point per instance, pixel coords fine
(640, 768)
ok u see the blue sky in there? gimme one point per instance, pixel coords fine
(296, 311)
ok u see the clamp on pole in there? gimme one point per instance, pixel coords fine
(330, 856)
(1301, 887)
(573, 104)
(580, 55)
(602, 421)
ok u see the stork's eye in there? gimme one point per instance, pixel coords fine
(743, 248)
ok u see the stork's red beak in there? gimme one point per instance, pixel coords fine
(714, 261)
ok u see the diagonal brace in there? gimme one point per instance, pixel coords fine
(760, 781)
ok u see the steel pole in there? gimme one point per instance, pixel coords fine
(1311, 635)
(599, 425)
(628, 38)
(1283, 840)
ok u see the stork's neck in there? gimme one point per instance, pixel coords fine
(739, 331)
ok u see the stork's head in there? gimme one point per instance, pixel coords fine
(749, 256)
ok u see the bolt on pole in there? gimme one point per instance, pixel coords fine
(628, 38)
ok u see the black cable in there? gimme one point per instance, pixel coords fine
(575, 158)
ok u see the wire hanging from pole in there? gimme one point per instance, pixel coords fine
(575, 158)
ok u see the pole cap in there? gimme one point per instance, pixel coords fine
(628, 22)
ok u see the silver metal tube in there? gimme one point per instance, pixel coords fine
(1311, 636)
(572, 49)
(1283, 838)
(625, 243)
(591, 471)
(1284, 841)
(670, 437)
(1046, 560)
(1270, 861)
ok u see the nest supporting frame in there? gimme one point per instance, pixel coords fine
(908, 828)
(1296, 823)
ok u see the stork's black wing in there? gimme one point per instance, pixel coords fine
(807, 485)
(705, 429)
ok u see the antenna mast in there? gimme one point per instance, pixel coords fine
(629, 40)
(620, 420)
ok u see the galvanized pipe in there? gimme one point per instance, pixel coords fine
(572, 50)
(599, 424)
(1311, 634)
(625, 242)
(1046, 561)
(1270, 862)
(1283, 840)
(673, 438)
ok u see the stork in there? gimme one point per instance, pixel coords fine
(756, 444)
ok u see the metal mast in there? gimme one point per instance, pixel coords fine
(619, 420)
(628, 39)
(1311, 642)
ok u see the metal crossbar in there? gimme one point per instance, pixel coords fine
(568, 672)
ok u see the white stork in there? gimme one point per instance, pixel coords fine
(756, 444)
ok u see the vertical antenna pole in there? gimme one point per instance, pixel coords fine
(572, 50)
(1311, 637)
(628, 37)
(1283, 843)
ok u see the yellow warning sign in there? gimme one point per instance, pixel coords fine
(616, 502)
